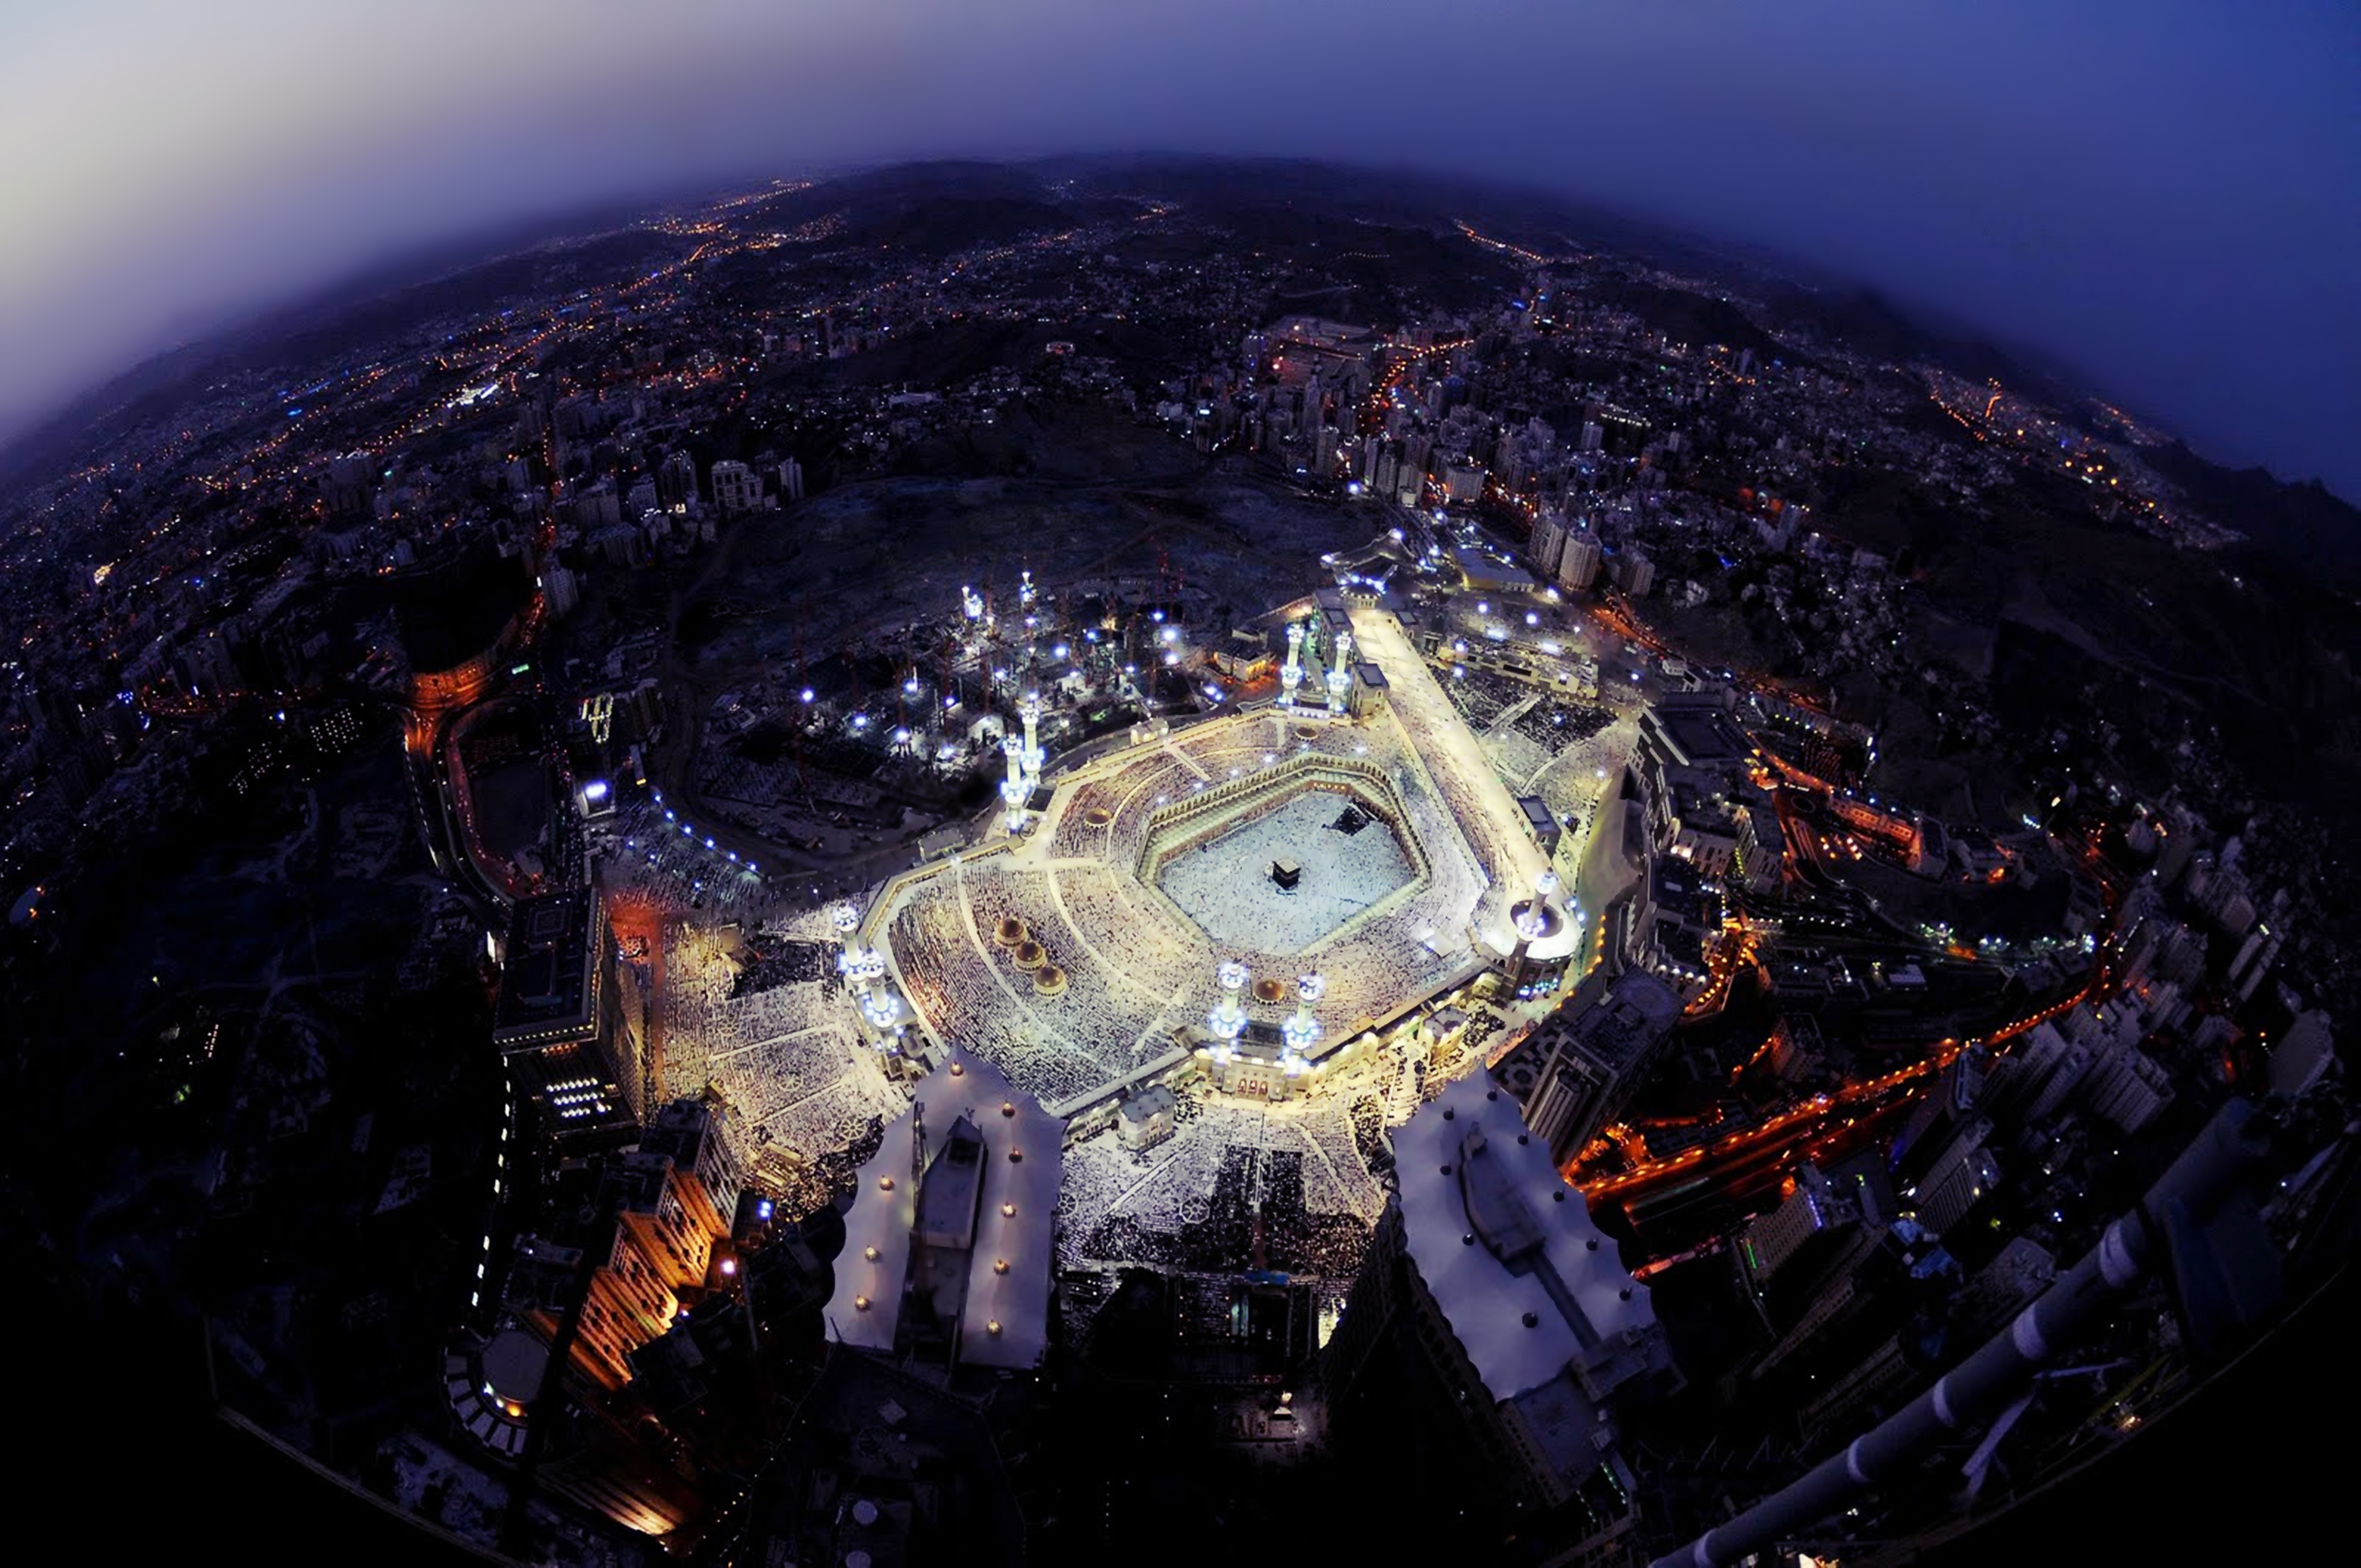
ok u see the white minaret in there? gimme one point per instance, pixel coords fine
(1534, 920)
(1030, 711)
(863, 969)
(1014, 789)
(1228, 1021)
(1340, 683)
(1302, 1031)
(1290, 673)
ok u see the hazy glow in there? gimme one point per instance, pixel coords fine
(2167, 195)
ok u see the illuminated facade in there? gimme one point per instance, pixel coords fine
(660, 1238)
(573, 1040)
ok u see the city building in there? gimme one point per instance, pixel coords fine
(1480, 571)
(1634, 573)
(1578, 560)
(2017, 1079)
(2304, 1055)
(1819, 1209)
(1798, 1050)
(2020, 1271)
(1145, 1119)
(2126, 1088)
(688, 1133)
(2057, 1087)
(883, 1470)
(1527, 1327)
(1955, 1181)
(1551, 530)
(677, 482)
(1673, 913)
(347, 483)
(630, 1292)
(656, 1218)
(1847, 1299)
(1576, 1071)
(946, 1253)
(737, 490)
(568, 1022)
(1701, 805)
(1939, 1117)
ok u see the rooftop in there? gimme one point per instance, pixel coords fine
(1015, 1198)
(1696, 732)
(1529, 1284)
(546, 980)
(1149, 1103)
(1631, 1014)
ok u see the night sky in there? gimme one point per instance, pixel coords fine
(2164, 196)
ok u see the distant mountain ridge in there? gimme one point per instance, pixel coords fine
(2305, 520)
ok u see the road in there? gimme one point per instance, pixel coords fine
(1826, 1126)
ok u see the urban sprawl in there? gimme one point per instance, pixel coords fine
(966, 838)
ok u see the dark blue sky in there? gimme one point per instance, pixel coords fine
(2166, 195)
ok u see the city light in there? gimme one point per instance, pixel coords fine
(1227, 947)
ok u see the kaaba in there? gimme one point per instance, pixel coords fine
(1286, 874)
